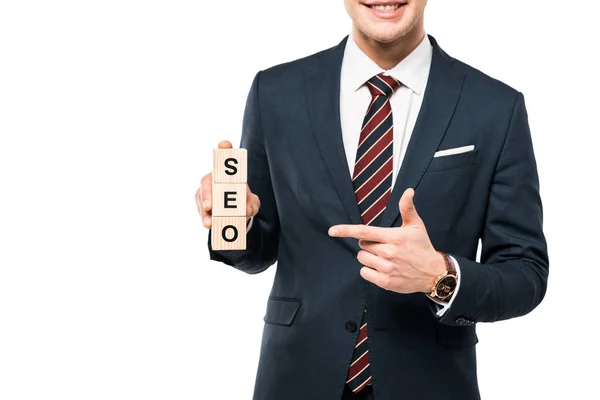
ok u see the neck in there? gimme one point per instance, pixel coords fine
(388, 55)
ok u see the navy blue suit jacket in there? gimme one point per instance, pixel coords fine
(298, 168)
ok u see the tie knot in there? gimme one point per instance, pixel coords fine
(382, 85)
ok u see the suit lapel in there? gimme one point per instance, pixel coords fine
(322, 84)
(441, 97)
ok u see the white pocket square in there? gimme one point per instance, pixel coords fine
(456, 150)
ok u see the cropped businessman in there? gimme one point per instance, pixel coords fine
(374, 169)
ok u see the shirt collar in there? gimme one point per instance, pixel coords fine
(412, 71)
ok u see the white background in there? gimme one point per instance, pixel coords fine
(108, 113)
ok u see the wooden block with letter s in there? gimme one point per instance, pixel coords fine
(230, 173)
(230, 166)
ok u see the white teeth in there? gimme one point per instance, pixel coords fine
(386, 7)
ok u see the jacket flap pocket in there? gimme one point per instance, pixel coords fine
(456, 335)
(453, 161)
(281, 311)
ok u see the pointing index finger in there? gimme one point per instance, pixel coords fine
(361, 232)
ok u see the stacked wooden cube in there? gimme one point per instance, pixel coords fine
(230, 176)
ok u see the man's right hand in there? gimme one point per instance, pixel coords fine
(204, 196)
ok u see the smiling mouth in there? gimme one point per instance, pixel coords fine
(385, 7)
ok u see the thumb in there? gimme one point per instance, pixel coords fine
(225, 144)
(407, 209)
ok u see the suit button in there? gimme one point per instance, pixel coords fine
(350, 326)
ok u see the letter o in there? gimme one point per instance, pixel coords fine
(224, 233)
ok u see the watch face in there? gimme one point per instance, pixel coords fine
(446, 286)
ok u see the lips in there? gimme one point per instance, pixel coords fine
(385, 5)
(386, 9)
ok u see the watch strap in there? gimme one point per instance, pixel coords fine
(450, 267)
(450, 271)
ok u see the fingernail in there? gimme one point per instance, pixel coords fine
(206, 204)
(206, 221)
(333, 232)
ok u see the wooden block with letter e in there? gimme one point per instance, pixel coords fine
(229, 199)
(230, 173)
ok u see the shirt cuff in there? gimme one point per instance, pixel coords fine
(444, 306)
(249, 226)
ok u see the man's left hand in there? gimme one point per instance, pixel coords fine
(400, 259)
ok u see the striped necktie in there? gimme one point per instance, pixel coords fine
(372, 181)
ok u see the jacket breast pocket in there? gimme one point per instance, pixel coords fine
(281, 310)
(456, 335)
(453, 161)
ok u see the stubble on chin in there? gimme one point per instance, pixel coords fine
(388, 34)
(383, 35)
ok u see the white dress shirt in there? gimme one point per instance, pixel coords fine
(406, 101)
(412, 73)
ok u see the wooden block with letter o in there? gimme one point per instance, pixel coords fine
(228, 233)
(230, 166)
(230, 173)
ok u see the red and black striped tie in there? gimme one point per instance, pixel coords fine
(372, 180)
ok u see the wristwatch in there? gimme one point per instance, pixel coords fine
(444, 284)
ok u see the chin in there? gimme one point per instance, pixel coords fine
(387, 36)
(385, 27)
(383, 34)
